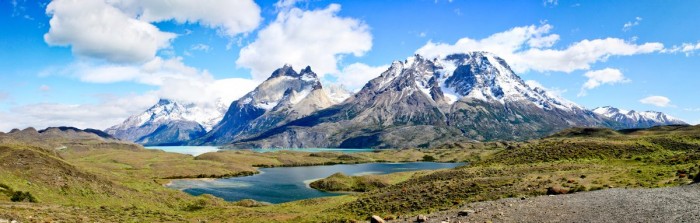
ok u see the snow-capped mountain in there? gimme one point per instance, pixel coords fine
(285, 96)
(420, 102)
(169, 123)
(634, 119)
(484, 76)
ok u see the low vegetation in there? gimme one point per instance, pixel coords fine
(125, 184)
(340, 182)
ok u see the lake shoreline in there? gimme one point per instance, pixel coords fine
(225, 176)
(288, 176)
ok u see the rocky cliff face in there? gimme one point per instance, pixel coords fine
(420, 102)
(285, 96)
(634, 119)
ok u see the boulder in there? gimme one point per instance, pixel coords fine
(376, 219)
(422, 218)
(557, 190)
(465, 212)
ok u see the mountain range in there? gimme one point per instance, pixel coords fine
(418, 102)
(634, 119)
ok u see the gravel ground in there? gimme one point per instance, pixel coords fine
(674, 204)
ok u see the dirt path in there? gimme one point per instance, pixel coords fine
(676, 204)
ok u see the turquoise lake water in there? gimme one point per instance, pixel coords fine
(284, 184)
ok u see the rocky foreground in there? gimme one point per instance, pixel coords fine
(673, 204)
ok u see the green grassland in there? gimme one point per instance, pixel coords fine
(125, 183)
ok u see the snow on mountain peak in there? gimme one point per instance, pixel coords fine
(487, 77)
(476, 75)
(283, 83)
(169, 110)
(630, 116)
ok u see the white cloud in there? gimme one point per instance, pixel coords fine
(206, 91)
(659, 101)
(111, 110)
(600, 77)
(530, 48)
(99, 115)
(153, 72)
(121, 30)
(604, 76)
(318, 38)
(629, 25)
(357, 75)
(175, 79)
(687, 48)
(282, 4)
(96, 29)
(229, 17)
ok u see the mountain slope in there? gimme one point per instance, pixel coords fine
(421, 102)
(490, 102)
(168, 123)
(634, 119)
(285, 96)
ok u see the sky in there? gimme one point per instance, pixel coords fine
(93, 63)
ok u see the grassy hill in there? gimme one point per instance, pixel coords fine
(78, 176)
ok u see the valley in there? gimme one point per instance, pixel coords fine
(298, 111)
(124, 182)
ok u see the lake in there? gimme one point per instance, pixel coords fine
(198, 150)
(284, 184)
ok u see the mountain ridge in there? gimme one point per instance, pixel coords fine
(168, 122)
(418, 102)
(634, 119)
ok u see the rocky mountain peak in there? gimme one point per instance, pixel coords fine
(286, 70)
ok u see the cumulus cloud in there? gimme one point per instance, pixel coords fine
(658, 101)
(206, 92)
(318, 38)
(600, 77)
(357, 75)
(121, 30)
(175, 79)
(229, 17)
(531, 48)
(100, 115)
(96, 29)
(153, 72)
(628, 25)
(110, 109)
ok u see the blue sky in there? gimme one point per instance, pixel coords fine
(99, 62)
